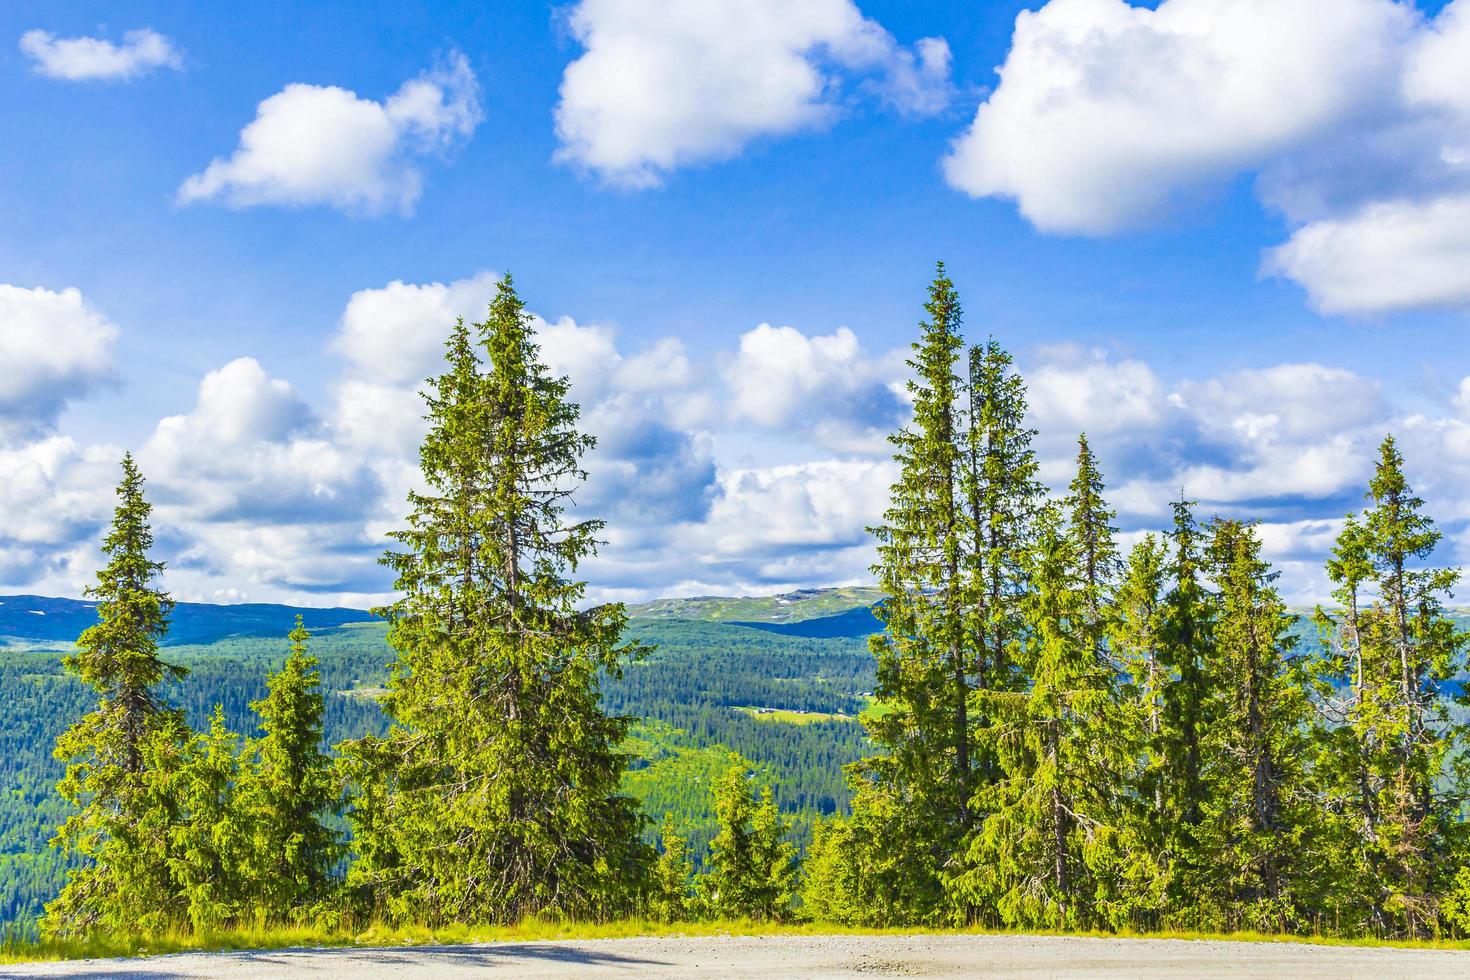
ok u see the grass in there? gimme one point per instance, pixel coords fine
(540, 930)
(793, 717)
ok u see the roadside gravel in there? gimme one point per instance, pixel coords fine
(770, 957)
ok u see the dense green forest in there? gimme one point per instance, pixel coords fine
(688, 687)
(1030, 727)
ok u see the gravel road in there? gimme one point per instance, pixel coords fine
(770, 957)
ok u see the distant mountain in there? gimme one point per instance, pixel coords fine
(803, 605)
(28, 620)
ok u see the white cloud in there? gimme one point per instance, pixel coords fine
(396, 333)
(1288, 401)
(1072, 391)
(1390, 256)
(312, 144)
(1352, 115)
(93, 58)
(661, 86)
(55, 347)
(1107, 114)
(252, 450)
(823, 385)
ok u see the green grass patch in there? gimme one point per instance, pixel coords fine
(538, 930)
(793, 717)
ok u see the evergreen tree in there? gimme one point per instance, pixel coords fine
(1091, 529)
(1002, 495)
(923, 775)
(1137, 633)
(120, 833)
(752, 867)
(288, 790)
(1046, 855)
(1185, 642)
(1136, 626)
(673, 876)
(1392, 759)
(495, 795)
(1260, 834)
(209, 841)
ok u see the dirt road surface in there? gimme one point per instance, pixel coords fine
(771, 957)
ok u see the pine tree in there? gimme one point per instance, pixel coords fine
(1046, 855)
(752, 867)
(1260, 836)
(209, 841)
(673, 876)
(1391, 756)
(120, 832)
(288, 789)
(495, 795)
(923, 777)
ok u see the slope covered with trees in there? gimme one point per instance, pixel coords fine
(1052, 735)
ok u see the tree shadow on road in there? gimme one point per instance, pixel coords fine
(347, 960)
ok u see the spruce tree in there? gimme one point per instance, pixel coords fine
(119, 834)
(210, 844)
(1002, 497)
(1091, 529)
(1260, 838)
(1046, 855)
(1185, 644)
(1136, 626)
(1392, 756)
(752, 867)
(288, 790)
(922, 778)
(495, 794)
(673, 876)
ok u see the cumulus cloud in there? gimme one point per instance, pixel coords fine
(252, 450)
(262, 495)
(824, 385)
(661, 86)
(324, 145)
(55, 347)
(1393, 255)
(1294, 401)
(1072, 390)
(1353, 116)
(96, 59)
(396, 333)
(1107, 114)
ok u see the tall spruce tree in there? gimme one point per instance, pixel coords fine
(912, 800)
(1003, 497)
(120, 833)
(288, 790)
(1090, 525)
(1392, 757)
(1185, 646)
(495, 795)
(1261, 837)
(1046, 853)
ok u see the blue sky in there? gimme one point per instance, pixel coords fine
(1228, 238)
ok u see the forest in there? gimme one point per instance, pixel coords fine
(1052, 731)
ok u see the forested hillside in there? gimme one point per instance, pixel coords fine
(689, 688)
(1023, 726)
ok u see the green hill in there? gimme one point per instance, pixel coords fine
(693, 692)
